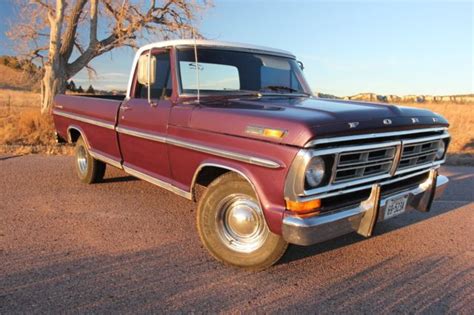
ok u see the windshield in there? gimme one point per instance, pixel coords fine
(227, 71)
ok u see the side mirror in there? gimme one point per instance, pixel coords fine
(301, 65)
(146, 69)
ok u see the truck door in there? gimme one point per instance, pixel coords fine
(143, 119)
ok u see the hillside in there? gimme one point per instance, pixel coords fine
(373, 97)
(14, 79)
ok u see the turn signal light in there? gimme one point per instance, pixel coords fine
(273, 133)
(303, 207)
(265, 132)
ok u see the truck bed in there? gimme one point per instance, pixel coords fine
(91, 115)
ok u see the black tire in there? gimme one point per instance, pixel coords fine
(88, 169)
(227, 198)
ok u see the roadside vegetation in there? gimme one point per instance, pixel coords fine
(24, 130)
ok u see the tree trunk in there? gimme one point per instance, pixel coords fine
(54, 82)
(54, 79)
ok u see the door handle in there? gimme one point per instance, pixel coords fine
(125, 108)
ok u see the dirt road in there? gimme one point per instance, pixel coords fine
(125, 245)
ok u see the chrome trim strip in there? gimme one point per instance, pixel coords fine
(355, 148)
(427, 165)
(225, 154)
(84, 119)
(81, 132)
(203, 165)
(426, 139)
(372, 136)
(354, 189)
(157, 182)
(201, 148)
(396, 159)
(95, 154)
(138, 134)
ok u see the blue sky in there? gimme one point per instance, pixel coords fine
(386, 47)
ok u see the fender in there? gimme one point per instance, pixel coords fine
(96, 154)
(273, 214)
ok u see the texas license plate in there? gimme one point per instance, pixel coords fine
(395, 206)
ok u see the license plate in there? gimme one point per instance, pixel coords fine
(395, 206)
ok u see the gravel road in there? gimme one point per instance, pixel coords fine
(127, 246)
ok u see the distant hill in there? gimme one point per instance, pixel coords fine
(373, 97)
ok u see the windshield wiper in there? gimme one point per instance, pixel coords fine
(277, 88)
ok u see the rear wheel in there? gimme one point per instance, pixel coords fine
(232, 227)
(89, 170)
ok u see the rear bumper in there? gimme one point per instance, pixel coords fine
(361, 218)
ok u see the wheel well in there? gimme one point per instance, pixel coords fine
(209, 173)
(74, 134)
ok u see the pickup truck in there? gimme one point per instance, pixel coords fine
(237, 129)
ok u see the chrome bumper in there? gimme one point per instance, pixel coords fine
(362, 218)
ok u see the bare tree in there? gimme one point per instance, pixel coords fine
(52, 31)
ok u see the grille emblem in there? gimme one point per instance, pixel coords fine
(387, 121)
(353, 124)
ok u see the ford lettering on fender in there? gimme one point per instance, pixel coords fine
(274, 164)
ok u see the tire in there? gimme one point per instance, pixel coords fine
(88, 169)
(245, 243)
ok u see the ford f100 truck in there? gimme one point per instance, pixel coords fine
(274, 164)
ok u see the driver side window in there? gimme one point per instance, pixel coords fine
(162, 87)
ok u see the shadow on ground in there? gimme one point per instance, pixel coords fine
(179, 276)
(148, 281)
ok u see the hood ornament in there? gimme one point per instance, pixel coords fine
(353, 124)
(387, 121)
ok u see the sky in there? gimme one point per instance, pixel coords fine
(347, 47)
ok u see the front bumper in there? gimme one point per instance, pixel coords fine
(361, 218)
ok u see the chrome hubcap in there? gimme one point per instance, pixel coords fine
(241, 224)
(81, 159)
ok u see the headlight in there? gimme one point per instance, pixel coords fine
(440, 150)
(315, 171)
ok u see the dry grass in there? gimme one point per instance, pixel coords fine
(24, 130)
(461, 119)
(18, 79)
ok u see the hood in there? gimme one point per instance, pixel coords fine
(306, 118)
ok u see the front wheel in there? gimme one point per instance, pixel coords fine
(88, 169)
(232, 227)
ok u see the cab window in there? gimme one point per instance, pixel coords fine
(162, 87)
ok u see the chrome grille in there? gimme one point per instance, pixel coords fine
(365, 163)
(419, 153)
(357, 160)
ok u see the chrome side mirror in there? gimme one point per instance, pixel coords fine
(146, 69)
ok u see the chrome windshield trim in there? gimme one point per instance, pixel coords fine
(372, 136)
(87, 120)
(201, 148)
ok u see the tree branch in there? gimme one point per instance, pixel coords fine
(70, 33)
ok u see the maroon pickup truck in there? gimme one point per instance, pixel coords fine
(274, 165)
